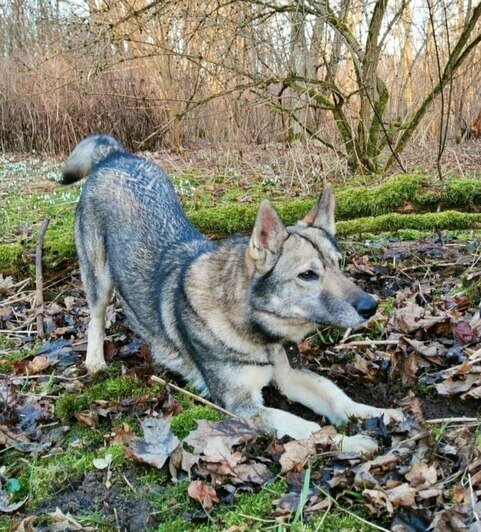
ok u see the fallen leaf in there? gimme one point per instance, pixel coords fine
(379, 499)
(297, 452)
(157, 444)
(89, 419)
(453, 387)
(403, 495)
(462, 331)
(6, 285)
(25, 525)
(473, 393)
(62, 522)
(229, 431)
(102, 463)
(434, 351)
(421, 475)
(206, 495)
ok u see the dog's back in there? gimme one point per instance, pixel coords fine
(130, 231)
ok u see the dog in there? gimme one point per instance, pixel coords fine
(224, 316)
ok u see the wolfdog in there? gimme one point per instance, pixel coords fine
(224, 316)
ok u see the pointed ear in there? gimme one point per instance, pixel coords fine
(267, 237)
(322, 212)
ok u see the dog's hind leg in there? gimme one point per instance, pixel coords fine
(98, 288)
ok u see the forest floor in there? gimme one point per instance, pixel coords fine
(117, 451)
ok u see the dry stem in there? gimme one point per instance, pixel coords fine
(39, 278)
(193, 396)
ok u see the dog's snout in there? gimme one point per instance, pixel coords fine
(366, 306)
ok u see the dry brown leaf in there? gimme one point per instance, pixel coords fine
(379, 499)
(412, 317)
(62, 522)
(123, 434)
(297, 452)
(461, 495)
(429, 493)
(229, 432)
(25, 525)
(206, 495)
(6, 285)
(406, 365)
(89, 419)
(453, 387)
(473, 393)
(402, 495)
(421, 475)
(434, 351)
(38, 364)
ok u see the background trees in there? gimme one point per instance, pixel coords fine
(361, 78)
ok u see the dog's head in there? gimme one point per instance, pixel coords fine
(297, 283)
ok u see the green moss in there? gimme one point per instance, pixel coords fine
(421, 222)
(8, 357)
(6, 522)
(386, 305)
(248, 509)
(186, 421)
(11, 258)
(114, 389)
(387, 197)
(39, 478)
(473, 292)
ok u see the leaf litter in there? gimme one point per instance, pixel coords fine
(423, 353)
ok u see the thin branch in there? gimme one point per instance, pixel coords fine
(193, 396)
(39, 278)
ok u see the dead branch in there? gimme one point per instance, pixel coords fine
(39, 277)
(193, 396)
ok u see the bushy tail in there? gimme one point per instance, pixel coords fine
(88, 153)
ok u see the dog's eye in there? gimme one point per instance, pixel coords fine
(308, 275)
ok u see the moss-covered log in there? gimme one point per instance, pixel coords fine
(401, 202)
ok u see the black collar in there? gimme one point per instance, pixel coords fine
(293, 354)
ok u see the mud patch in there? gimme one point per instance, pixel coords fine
(117, 504)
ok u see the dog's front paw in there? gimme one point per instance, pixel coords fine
(358, 410)
(357, 444)
(95, 366)
(299, 431)
(394, 415)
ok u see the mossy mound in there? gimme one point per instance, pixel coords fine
(407, 202)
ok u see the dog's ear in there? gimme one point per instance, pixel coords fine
(267, 237)
(322, 212)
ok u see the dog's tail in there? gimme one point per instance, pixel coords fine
(87, 154)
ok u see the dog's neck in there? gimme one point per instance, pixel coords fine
(219, 284)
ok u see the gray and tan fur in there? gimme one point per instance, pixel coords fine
(216, 314)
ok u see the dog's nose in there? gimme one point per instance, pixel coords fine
(366, 306)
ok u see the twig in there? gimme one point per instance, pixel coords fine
(453, 420)
(472, 497)
(193, 396)
(39, 278)
(352, 514)
(129, 484)
(366, 343)
(15, 331)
